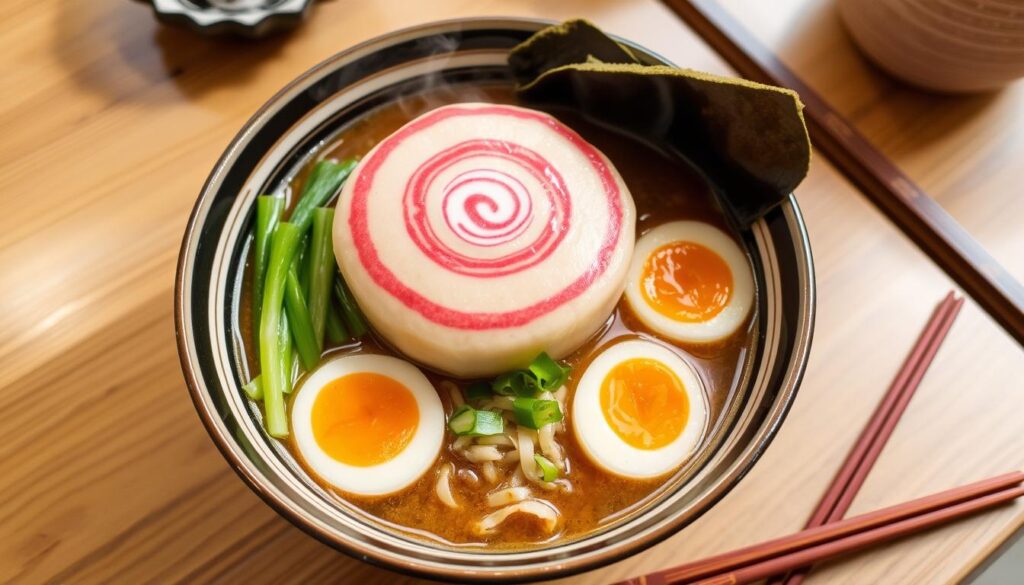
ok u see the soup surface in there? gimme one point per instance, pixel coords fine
(665, 188)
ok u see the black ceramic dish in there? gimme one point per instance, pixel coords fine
(249, 18)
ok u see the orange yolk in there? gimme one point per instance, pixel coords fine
(645, 403)
(686, 281)
(364, 419)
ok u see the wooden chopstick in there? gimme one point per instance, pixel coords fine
(806, 546)
(892, 191)
(864, 539)
(900, 407)
(877, 421)
(865, 452)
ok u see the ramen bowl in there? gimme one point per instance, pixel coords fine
(281, 138)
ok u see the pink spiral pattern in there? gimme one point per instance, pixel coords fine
(484, 216)
(485, 207)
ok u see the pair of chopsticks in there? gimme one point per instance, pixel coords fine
(791, 552)
(826, 534)
(908, 206)
(861, 458)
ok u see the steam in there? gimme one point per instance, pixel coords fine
(433, 90)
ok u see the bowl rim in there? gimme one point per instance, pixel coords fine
(399, 561)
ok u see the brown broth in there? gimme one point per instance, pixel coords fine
(664, 188)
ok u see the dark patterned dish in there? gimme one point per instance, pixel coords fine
(251, 18)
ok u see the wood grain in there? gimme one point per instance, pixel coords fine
(108, 126)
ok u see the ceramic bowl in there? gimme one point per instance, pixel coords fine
(941, 45)
(277, 141)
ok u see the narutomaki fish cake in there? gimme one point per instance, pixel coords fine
(478, 235)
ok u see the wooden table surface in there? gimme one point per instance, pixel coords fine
(108, 126)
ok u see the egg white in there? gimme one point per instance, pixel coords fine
(392, 475)
(728, 319)
(601, 443)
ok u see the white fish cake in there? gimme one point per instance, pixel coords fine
(478, 235)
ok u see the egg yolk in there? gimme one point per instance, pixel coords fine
(364, 419)
(644, 403)
(686, 281)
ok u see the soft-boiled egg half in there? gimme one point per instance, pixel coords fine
(690, 282)
(368, 424)
(639, 410)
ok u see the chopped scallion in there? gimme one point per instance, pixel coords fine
(543, 375)
(549, 373)
(535, 413)
(548, 471)
(468, 421)
(515, 383)
(254, 389)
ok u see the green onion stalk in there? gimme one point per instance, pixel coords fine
(300, 323)
(275, 375)
(254, 389)
(350, 312)
(336, 332)
(323, 182)
(320, 270)
(287, 351)
(268, 214)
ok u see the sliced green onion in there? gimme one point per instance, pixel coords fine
(254, 389)
(544, 374)
(320, 269)
(535, 413)
(549, 373)
(336, 333)
(462, 420)
(323, 182)
(299, 322)
(268, 214)
(349, 309)
(275, 376)
(479, 391)
(548, 471)
(515, 383)
(468, 421)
